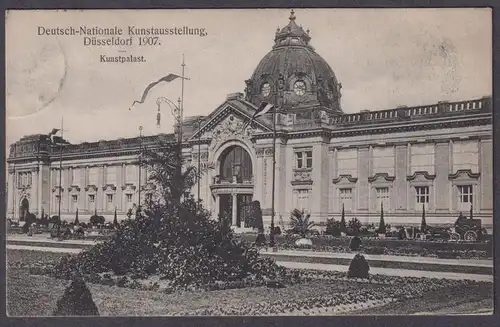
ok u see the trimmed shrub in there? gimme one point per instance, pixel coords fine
(97, 220)
(332, 227)
(76, 301)
(359, 267)
(382, 228)
(355, 244)
(354, 227)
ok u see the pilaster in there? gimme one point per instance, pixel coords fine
(442, 184)
(363, 188)
(486, 170)
(400, 198)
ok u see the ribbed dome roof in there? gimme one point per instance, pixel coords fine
(293, 75)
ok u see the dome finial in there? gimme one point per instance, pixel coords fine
(292, 14)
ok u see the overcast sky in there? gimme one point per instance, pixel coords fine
(383, 58)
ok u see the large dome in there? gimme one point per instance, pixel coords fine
(293, 76)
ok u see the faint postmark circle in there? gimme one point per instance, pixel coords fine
(35, 76)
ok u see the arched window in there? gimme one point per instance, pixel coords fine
(235, 161)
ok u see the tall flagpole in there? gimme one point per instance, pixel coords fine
(199, 159)
(60, 179)
(181, 107)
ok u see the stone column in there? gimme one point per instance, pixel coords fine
(10, 194)
(235, 208)
(40, 188)
(217, 207)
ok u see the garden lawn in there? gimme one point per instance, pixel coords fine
(30, 295)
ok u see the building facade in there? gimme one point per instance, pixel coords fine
(438, 157)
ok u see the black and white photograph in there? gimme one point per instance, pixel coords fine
(249, 162)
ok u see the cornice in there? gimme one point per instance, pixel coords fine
(74, 187)
(129, 186)
(88, 187)
(381, 175)
(85, 151)
(464, 172)
(424, 174)
(345, 177)
(296, 183)
(109, 187)
(57, 188)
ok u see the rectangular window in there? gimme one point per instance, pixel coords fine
(346, 198)
(129, 197)
(465, 196)
(74, 202)
(382, 197)
(303, 159)
(109, 200)
(75, 176)
(422, 196)
(91, 206)
(298, 159)
(56, 203)
(309, 159)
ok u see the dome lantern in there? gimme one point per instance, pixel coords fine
(292, 34)
(293, 76)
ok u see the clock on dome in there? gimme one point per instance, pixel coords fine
(266, 89)
(299, 88)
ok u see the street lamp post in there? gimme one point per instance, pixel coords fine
(140, 170)
(271, 236)
(60, 180)
(199, 160)
(278, 97)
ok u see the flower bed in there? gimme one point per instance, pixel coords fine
(441, 249)
(315, 292)
(396, 289)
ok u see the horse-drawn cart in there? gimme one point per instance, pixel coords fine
(467, 229)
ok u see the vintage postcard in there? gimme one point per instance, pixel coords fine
(253, 162)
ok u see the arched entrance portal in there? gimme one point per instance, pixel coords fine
(24, 209)
(234, 185)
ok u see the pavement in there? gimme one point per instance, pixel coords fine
(390, 271)
(41, 240)
(302, 265)
(393, 258)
